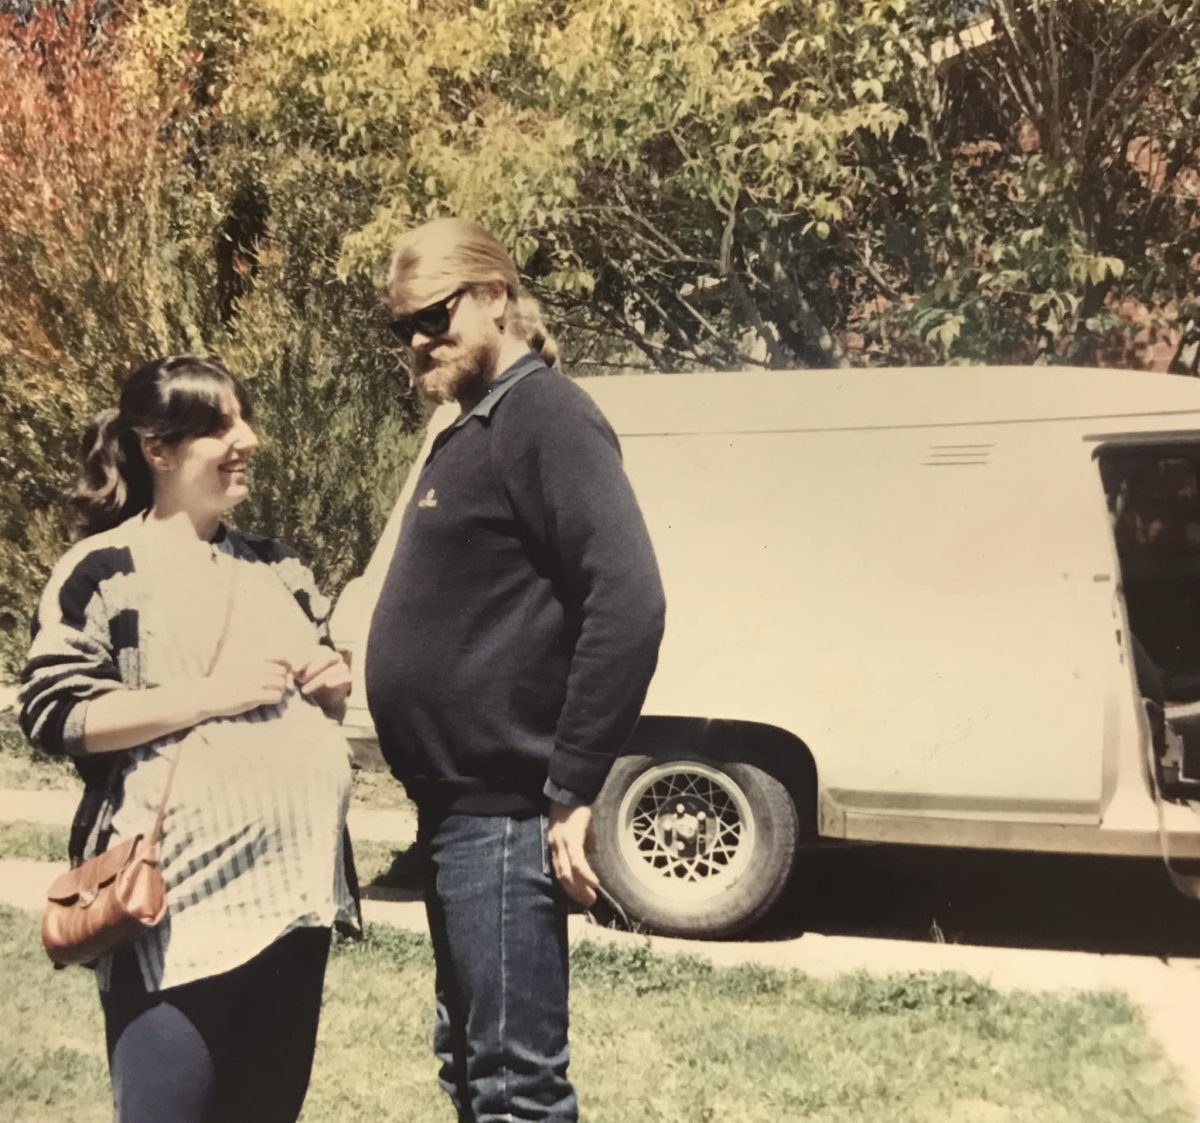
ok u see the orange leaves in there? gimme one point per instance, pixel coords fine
(72, 136)
(94, 253)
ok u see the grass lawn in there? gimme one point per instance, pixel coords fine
(658, 1039)
(379, 791)
(35, 842)
(25, 770)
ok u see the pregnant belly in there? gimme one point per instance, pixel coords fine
(248, 785)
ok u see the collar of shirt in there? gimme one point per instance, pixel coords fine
(502, 383)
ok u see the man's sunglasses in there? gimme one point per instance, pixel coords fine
(432, 320)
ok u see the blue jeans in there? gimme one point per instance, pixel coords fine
(498, 921)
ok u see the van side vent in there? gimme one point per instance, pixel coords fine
(954, 456)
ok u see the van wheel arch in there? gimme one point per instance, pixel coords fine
(698, 826)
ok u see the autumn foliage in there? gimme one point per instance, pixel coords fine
(685, 184)
(99, 234)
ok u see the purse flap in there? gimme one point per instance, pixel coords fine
(84, 880)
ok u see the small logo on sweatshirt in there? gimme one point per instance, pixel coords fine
(430, 499)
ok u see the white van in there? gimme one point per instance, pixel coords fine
(899, 609)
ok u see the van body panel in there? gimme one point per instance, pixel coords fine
(860, 400)
(910, 570)
(839, 587)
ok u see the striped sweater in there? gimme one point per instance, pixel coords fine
(87, 640)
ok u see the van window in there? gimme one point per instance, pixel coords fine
(1154, 500)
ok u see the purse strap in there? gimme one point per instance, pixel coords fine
(156, 830)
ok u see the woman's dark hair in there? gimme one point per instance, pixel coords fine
(169, 399)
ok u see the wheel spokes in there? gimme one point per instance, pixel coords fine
(716, 821)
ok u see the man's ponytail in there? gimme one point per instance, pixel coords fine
(525, 318)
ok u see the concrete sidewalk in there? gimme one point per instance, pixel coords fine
(55, 808)
(23, 883)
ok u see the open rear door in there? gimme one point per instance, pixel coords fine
(1153, 490)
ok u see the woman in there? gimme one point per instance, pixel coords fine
(164, 633)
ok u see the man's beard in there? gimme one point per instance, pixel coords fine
(455, 372)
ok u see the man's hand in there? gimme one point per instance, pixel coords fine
(571, 841)
(323, 676)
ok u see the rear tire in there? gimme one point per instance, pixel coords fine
(687, 845)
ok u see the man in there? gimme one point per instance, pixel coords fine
(508, 659)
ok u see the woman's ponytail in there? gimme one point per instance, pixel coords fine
(114, 480)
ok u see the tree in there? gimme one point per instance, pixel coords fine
(101, 259)
(1054, 160)
(140, 224)
(760, 181)
(687, 183)
(332, 401)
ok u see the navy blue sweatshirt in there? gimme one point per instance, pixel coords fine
(519, 623)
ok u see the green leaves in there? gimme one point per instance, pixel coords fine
(836, 166)
(686, 183)
(864, 86)
(104, 254)
(946, 333)
(1094, 268)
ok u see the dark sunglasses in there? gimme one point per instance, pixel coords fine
(432, 320)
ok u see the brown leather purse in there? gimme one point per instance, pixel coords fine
(108, 901)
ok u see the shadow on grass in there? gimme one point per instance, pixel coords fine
(1069, 902)
(387, 873)
(26, 768)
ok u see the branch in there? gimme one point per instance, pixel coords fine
(678, 256)
(678, 328)
(863, 257)
(1027, 97)
(652, 351)
(648, 225)
(741, 294)
(1121, 96)
(815, 334)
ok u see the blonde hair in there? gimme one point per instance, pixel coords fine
(451, 252)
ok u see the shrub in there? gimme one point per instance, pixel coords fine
(142, 223)
(104, 259)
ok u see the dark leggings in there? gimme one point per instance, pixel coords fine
(235, 1048)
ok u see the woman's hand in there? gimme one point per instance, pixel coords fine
(238, 685)
(123, 718)
(323, 677)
